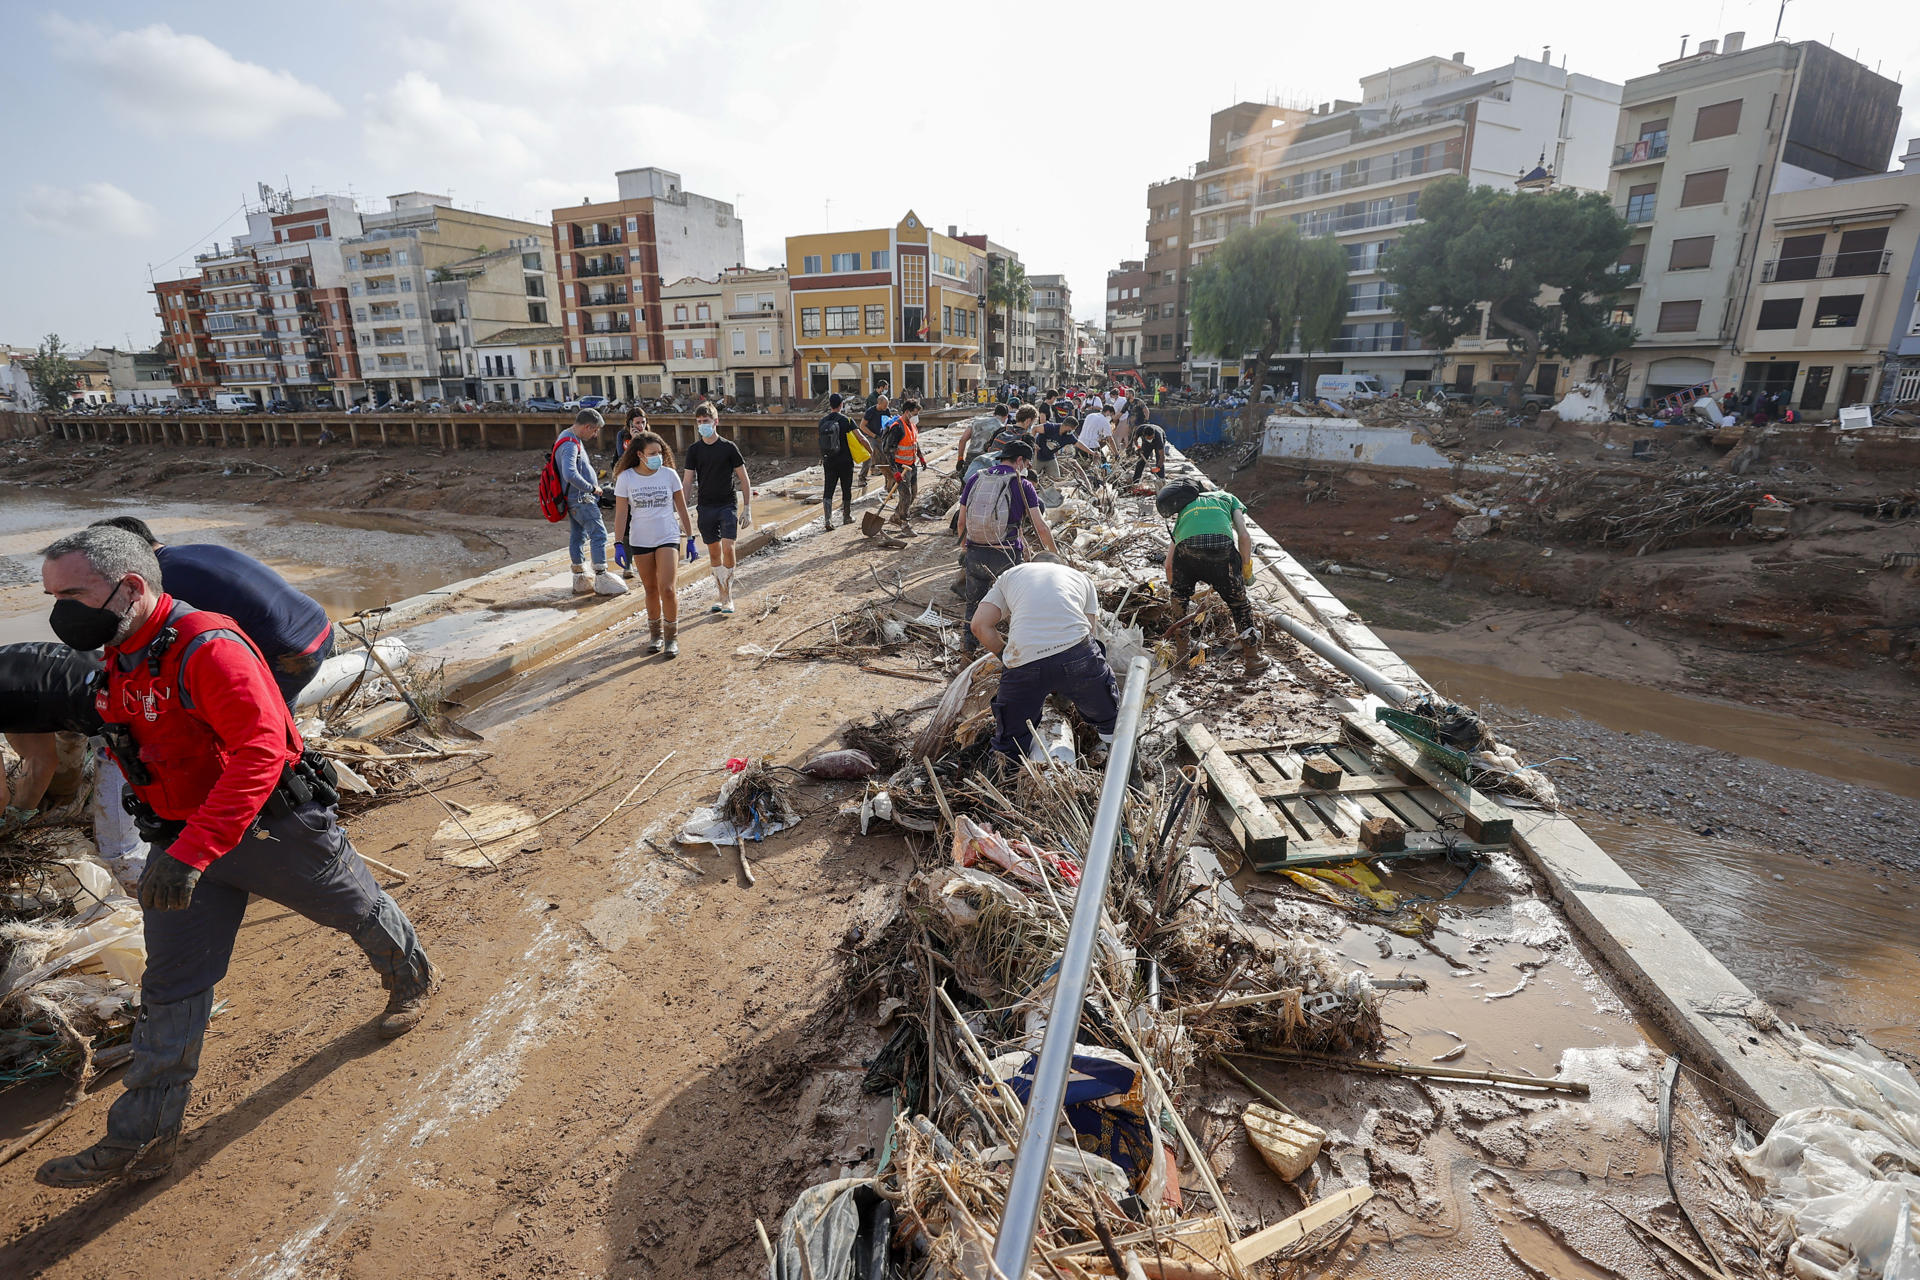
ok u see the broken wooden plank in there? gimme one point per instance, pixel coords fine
(1253, 824)
(1551, 1083)
(1349, 784)
(1289, 1231)
(1485, 820)
(1420, 844)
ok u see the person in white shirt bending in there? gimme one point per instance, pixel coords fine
(1050, 610)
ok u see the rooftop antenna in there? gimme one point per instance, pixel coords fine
(1780, 19)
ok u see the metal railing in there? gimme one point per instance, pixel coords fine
(1869, 262)
(1022, 1215)
(1641, 150)
(1635, 212)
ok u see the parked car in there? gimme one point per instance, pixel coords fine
(282, 406)
(545, 404)
(233, 402)
(1496, 393)
(587, 402)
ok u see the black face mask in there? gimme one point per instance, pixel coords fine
(86, 627)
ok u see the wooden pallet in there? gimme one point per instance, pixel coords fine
(1280, 820)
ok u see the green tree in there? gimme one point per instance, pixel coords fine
(1260, 289)
(1539, 265)
(52, 375)
(1008, 290)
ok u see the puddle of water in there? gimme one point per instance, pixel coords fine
(346, 560)
(1823, 944)
(1832, 751)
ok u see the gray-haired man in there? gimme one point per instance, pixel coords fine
(232, 804)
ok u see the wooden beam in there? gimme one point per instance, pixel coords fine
(1288, 1231)
(1260, 834)
(1486, 820)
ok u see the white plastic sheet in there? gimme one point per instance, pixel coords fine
(1844, 1181)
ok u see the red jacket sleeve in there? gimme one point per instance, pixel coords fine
(233, 696)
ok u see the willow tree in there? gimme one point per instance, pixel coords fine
(1541, 267)
(1263, 287)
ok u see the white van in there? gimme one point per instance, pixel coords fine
(1348, 386)
(233, 402)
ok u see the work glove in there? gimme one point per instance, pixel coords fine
(690, 552)
(746, 518)
(1247, 570)
(620, 554)
(167, 884)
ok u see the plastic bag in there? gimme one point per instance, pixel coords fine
(1842, 1178)
(973, 842)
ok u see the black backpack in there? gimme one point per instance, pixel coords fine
(833, 437)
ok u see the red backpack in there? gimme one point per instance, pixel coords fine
(553, 490)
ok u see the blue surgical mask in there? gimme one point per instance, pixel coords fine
(653, 460)
(706, 429)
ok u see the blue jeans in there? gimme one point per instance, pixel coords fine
(1079, 674)
(584, 526)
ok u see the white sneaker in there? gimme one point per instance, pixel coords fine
(608, 584)
(582, 582)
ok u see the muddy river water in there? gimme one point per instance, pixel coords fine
(1827, 944)
(346, 560)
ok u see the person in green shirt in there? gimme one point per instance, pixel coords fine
(1211, 544)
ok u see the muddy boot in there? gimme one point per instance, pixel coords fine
(407, 1002)
(671, 648)
(653, 635)
(607, 584)
(846, 513)
(143, 1126)
(826, 514)
(582, 581)
(1252, 661)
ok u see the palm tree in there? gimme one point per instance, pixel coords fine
(1008, 291)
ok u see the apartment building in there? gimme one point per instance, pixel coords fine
(1163, 327)
(756, 351)
(1055, 341)
(1702, 148)
(692, 325)
(183, 332)
(425, 281)
(1354, 170)
(902, 307)
(614, 259)
(1827, 308)
(1125, 314)
(1900, 381)
(1089, 352)
(524, 362)
(1010, 345)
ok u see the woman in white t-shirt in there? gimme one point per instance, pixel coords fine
(649, 520)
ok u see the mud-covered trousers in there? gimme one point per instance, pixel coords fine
(983, 567)
(1220, 569)
(306, 863)
(1080, 674)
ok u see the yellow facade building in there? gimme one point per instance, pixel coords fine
(899, 307)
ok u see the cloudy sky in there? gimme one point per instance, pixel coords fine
(140, 129)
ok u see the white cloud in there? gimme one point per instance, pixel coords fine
(93, 208)
(164, 81)
(418, 126)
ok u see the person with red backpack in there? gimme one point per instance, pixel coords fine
(570, 490)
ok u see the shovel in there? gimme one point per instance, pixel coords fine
(443, 726)
(872, 522)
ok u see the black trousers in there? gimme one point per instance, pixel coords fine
(1220, 570)
(838, 470)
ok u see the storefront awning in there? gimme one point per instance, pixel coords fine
(844, 370)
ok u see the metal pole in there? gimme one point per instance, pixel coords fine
(1022, 1215)
(1389, 691)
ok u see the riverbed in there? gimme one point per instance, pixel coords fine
(347, 560)
(1784, 844)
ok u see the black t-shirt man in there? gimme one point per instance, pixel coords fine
(712, 463)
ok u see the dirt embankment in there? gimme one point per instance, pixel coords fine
(1812, 620)
(498, 483)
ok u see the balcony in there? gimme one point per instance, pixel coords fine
(382, 263)
(389, 342)
(606, 355)
(589, 240)
(246, 304)
(610, 298)
(451, 370)
(447, 344)
(1642, 151)
(1399, 343)
(615, 326)
(443, 315)
(760, 313)
(615, 268)
(392, 364)
(382, 290)
(1827, 266)
(1636, 213)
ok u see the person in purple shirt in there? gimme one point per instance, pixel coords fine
(994, 504)
(290, 628)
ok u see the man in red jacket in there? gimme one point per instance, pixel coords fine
(231, 804)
